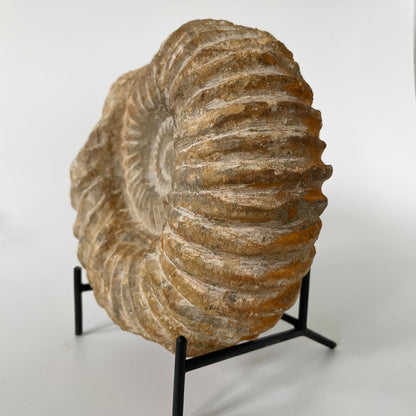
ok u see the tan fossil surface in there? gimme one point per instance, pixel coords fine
(199, 191)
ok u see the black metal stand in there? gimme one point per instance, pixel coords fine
(183, 365)
(79, 287)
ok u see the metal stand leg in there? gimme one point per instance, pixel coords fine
(300, 325)
(79, 287)
(303, 315)
(179, 378)
(78, 300)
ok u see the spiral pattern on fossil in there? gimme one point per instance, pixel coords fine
(199, 191)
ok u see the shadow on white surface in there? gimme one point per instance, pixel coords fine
(256, 384)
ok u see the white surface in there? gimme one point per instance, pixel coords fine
(58, 60)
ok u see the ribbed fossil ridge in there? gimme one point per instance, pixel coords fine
(199, 191)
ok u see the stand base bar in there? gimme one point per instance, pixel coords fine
(320, 338)
(234, 351)
(290, 319)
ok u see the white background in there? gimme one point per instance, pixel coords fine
(58, 60)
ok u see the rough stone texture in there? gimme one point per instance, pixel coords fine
(199, 191)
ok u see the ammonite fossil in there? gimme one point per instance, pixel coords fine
(199, 191)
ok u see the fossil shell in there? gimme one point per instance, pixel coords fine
(199, 191)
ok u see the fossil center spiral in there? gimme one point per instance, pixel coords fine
(148, 167)
(162, 159)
